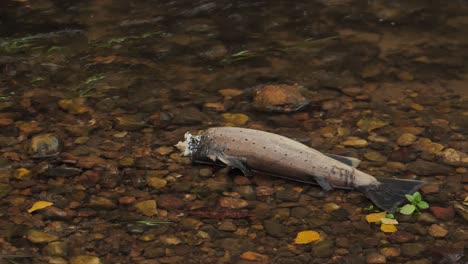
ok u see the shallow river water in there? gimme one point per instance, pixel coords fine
(94, 94)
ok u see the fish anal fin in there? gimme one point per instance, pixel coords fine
(324, 183)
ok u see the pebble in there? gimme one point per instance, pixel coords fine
(454, 157)
(443, 213)
(164, 150)
(401, 237)
(430, 188)
(355, 142)
(279, 98)
(342, 251)
(156, 183)
(412, 249)
(190, 223)
(126, 200)
(427, 146)
(170, 202)
(216, 107)
(329, 207)
(227, 225)
(427, 218)
(74, 106)
(390, 252)
(406, 139)
(129, 122)
(264, 191)
(254, 256)
(126, 162)
(89, 162)
(288, 195)
(375, 156)
(236, 119)
(45, 145)
(232, 203)
(171, 240)
(147, 208)
(101, 203)
(417, 107)
(375, 258)
(460, 208)
(56, 248)
(322, 249)
(246, 191)
(229, 92)
(83, 259)
(369, 124)
(425, 168)
(419, 261)
(352, 91)
(437, 231)
(241, 180)
(206, 172)
(299, 212)
(36, 236)
(274, 228)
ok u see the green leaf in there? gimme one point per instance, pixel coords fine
(417, 197)
(407, 209)
(390, 216)
(409, 197)
(423, 205)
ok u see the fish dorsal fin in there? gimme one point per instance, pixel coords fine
(350, 161)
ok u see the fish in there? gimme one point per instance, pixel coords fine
(251, 150)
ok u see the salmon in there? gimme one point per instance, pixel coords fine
(251, 150)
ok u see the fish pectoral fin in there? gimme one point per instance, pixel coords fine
(350, 161)
(324, 183)
(237, 163)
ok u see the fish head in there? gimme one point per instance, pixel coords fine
(190, 144)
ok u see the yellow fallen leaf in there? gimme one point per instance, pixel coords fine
(388, 221)
(39, 205)
(254, 256)
(375, 217)
(306, 237)
(22, 173)
(388, 228)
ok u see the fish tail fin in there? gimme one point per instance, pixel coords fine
(390, 193)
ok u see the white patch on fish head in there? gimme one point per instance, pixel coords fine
(190, 144)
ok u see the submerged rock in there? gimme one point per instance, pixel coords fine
(83, 259)
(425, 168)
(36, 236)
(45, 145)
(279, 98)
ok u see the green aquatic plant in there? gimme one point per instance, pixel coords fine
(416, 204)
(252, 53)
(153, 223)
(126, 39)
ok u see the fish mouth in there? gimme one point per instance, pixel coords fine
(189, 145)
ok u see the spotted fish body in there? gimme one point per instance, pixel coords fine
(249, 149)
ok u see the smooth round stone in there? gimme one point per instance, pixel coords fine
(375, 258)
(227, 225)
(45, 145)
(406, 139)
(36, 236)
(83, 259)
(390, 252)
(355, 142)
(437, 231)
(206, 172)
